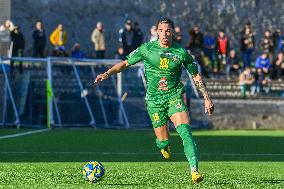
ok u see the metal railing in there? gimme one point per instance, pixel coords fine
(52, 104)
(55, 113)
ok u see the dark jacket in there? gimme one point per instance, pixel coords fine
(119, 56)
(245, 46)
(18, 40)
(127, 38)
(137, 38)
(39, 38)
(196, 41)
(267, 44)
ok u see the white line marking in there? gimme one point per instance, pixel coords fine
(135, 153)
(23, 134)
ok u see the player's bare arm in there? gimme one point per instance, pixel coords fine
(115, 69)
(209, 106)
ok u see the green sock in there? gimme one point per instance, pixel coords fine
(162, 144)
(189, 145)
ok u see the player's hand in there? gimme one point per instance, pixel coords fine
(101, 77)
(209, 106)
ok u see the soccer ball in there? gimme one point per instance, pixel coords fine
(93, 171)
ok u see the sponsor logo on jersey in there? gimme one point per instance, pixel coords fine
(169, 55)
(177, 103)
(163, 84)
(133, 52)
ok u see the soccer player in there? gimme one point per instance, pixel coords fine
(163, 60)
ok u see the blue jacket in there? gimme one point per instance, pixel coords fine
(262, 63)
(78, 54)
(209, 41)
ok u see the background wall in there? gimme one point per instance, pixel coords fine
(248, 114)
(80, 16)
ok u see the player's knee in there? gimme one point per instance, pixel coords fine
(180, 118)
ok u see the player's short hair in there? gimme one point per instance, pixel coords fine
(166, 21)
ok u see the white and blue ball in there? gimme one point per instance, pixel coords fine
(93, 171)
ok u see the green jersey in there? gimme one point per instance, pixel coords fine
(163, 68)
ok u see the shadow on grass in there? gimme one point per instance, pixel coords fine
(134, 146)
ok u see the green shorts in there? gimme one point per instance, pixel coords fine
(160, 112)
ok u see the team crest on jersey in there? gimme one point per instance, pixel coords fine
(178, 106)
(163, 84)
(175, 58)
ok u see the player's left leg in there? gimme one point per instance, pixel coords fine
(179, 116)
(181, 123)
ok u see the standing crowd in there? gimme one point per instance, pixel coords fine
(214, 53)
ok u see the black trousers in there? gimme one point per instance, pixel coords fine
(17, 52)
(38, 52)
(100, 54)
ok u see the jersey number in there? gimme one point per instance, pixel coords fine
(156, 117)
(164, 63)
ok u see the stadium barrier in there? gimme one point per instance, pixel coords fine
(59, 92)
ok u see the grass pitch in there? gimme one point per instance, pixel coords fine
(54, 159)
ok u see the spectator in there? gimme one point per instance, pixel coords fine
(152, 36)
(5, 30)
(261, 82)
(248, 26)
(7, 27)
(247, 45)
(138, 36)
(58, 39)
(232, 64)
(263, 63)
(98, 39)
(59, 53)
(278, 66)
(267, 44)
(209, 48)
(18, 47)
(263, 71)
(120, 54)
(278, 41)
(246, 79)
(222, 49)
(196, 39)
(77, 52)
(178, 35)
(127, 36)
(196, 45)
(39, 38)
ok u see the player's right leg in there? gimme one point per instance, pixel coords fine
(159, 119)
(162, 140)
